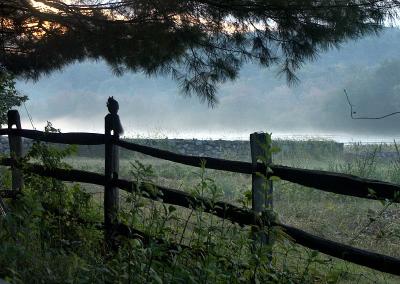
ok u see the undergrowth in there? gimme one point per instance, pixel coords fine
(52, 233)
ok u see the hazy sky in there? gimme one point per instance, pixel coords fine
(75, 99)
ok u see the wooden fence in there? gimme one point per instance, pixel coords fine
(261, 202)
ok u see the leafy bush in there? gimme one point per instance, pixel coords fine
(50, 235)
(9, 96)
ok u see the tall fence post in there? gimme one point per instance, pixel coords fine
(260, 145)
(111, 193)
(15, 143)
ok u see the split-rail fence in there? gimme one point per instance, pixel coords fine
(261, 200)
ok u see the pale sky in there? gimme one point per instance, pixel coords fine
(75, 99)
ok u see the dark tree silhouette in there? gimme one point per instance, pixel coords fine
(9, 96)
(200, 43)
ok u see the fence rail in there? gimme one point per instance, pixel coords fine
(224, 210)
(343, 184)
(77, 138)
(327, 181)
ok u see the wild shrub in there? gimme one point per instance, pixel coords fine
(51, 235)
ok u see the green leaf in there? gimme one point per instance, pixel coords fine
(274, 178)
(171, 209)
(274, 149)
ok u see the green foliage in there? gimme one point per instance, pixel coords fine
(9, 96)
(42, 233)
(50, 156)
(44, 238)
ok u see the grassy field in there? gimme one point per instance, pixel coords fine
(366, 224)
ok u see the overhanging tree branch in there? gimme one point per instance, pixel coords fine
(156, 37)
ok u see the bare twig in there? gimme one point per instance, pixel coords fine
(352, 112)
(371, 221)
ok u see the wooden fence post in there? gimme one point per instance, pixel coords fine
(261, 189)
(15, 143)
(111, 193)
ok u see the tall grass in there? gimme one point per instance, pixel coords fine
(220, 252)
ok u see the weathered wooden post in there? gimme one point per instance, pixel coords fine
(113, 129)
(15, 143)
(260, 146)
